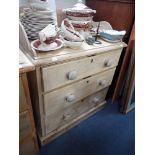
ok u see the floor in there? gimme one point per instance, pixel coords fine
(108, 132)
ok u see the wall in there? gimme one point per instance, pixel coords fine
(66, 3)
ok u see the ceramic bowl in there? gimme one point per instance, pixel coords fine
(81, 24)
(79, 16)
(72, 44)
(68, 32)
(79, 12)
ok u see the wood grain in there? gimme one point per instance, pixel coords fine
(56, 100)
(68, 54)
(24, 63)
(28, 146)
(124, 66)
(26, 120)
(126, 100)
(52, 69)
(35, 86)
(77, 120)
(67, 113)
(119, 13)
(25, 128)
(56, 75)
(22, 98)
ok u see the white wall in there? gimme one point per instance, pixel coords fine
(66, 3)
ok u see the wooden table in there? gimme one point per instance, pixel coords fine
(28, 144)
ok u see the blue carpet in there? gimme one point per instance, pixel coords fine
(108, 132)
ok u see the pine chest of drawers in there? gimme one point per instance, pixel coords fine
(70, 85)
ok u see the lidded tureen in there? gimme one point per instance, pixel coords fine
(79, 12)
(80, 15)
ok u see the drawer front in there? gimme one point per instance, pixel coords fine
(28, 147)
(62, 74)
(67, 114)
(22, 98)
(66, 96)
(25, 128)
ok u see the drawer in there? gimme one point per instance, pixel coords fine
(65, 73)
(28, 147)
(67, 114)
(66, 96)
(25, 128)
(22, 97)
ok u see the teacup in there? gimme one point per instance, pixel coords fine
(49, 40)
(48, 34)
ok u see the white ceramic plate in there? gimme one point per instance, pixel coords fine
(36, 45)
(35, 28)
(38, 18)
(46, 12)
(34, 12)
(37, 22)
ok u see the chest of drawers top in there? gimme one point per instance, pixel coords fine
(68, 54)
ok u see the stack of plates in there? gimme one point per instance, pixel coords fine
(34, 21)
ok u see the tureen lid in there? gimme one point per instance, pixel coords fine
(80, 6)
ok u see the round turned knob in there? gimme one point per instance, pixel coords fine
(70, 98)
(72, 75)
(96, 100)
(102, 83)
(108, 62)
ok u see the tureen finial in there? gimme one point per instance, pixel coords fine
(80, 1)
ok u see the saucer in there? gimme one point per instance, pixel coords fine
(36, 44)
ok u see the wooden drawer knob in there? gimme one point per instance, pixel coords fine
(70, 98)
(102, 83)
(108, 62)
(96, 100)
(72, 75)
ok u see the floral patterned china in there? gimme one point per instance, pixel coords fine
(38, 46)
